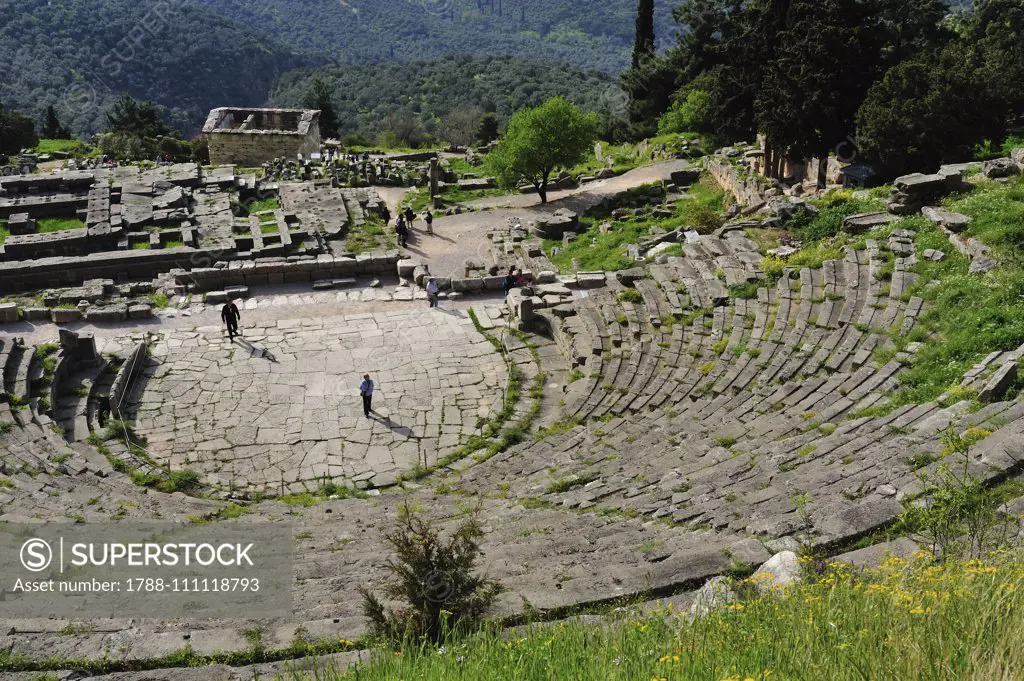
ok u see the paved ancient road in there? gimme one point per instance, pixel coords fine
(460, 237)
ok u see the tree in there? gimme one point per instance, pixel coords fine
(435, 578)
(643, 44)
(16, 133)
(487, 131)
(129, 117)
(537, 141)
(52, 129)
(689, 114)
(402, 128)
(928, 111)
(460, 126)
(319, 97)
(822, 66)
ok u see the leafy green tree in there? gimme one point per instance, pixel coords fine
(689, 114)
(487, 131)
(643, 43)
(52, 129)
(319, 97)
(16, 133)
(130, 117)
(928, 111)
(538, 141)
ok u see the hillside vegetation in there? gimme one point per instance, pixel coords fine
(364, 96)
(582, 33)
(81, 56)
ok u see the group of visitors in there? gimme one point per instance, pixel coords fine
(404, 224)
(514, 279)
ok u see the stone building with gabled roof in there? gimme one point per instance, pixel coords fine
(250, 137)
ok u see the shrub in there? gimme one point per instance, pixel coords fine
(435, 578)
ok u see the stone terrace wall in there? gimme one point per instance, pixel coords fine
(276, 271)
(122, 266)
(253, 148)
(746, 190)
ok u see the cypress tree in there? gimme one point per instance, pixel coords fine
(643, 47)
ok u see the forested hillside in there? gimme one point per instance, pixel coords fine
(584, 33)
(82, 55)
(192, 55)
(368, 97)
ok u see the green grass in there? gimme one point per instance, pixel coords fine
(4, 232)
(596, 251)
(420, 201)
(59, 224)
(269, 228)
(140, 246)
(174, 243)
(270, 203)
(969, 316)
(829, 220)
(76, 148)
(901, 621)
(372, 235)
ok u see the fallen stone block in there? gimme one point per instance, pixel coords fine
(215, 297)
(865, 222)
(140, 311)
(1000, 167)
(685, 177)
(107, 314)
(954, 222)
(65, 315)
(588, 280)
(983, 264)
(997, 384)
(235, 292)
(406, 268)
(8, 313)
(36, 314)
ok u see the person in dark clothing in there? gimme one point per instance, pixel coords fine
(366, 391)
(410, 216)
(402, 231)
(429, 219)
(230, 315)
(509, 282)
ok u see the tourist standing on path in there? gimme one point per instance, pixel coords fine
(401, 230)
(432, 289)
(410, 216)
(428, 218)
(366, 391)
(230, 315)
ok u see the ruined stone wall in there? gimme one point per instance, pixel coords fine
(253, 148)
(746, 190)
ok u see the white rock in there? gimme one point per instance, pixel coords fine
(781, 570)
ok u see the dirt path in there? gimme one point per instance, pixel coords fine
(461, 237)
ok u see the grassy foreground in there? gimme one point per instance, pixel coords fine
(905, 620)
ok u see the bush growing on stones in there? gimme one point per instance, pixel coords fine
(436, 580)
(960, 516)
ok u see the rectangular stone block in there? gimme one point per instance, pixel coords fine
(8, 313)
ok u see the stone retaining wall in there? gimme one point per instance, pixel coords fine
(122, 385)
(275, 271)
(746, 190)
(57, 272)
